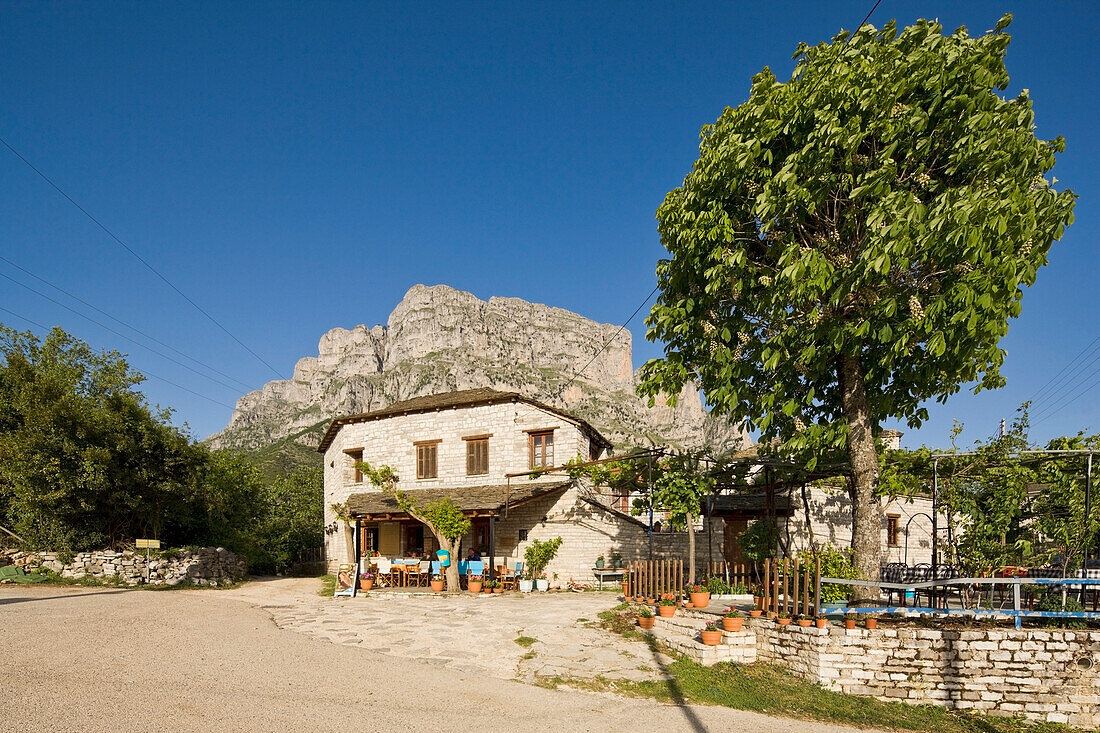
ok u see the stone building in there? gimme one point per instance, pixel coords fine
(470, 446)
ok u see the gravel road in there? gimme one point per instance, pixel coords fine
(118, 660)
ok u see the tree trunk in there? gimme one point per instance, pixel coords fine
(451, 571)
(866, 511)
(690, 525)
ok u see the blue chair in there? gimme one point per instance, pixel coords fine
(437, 567)
(476, 567)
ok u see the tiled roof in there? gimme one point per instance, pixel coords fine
(469, 499)
(449, 401)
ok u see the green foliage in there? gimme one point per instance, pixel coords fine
(539, 554)
(291, 521)
(679, 485)
(84, 462)
(758, 540)
(447, 518)
(884, 205)
(835, 563)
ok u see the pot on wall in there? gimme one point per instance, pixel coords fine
(700, 600)
(646, 622)
(666, 611)
(732, 624)
(711, 638)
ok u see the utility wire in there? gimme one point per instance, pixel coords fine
(143, 372)
(120, 335)
(119, 321)
(866, 18)
(561, 392)
(1057, 379)
(139, 258)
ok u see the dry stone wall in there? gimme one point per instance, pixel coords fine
(1044, 675)
(205, 566)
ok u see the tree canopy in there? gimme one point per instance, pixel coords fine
(854, 241)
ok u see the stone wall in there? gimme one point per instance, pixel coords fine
(207, 566)
(1045, 675)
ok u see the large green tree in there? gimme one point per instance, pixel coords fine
(854, 241)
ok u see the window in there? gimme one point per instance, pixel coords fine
(522, 535)
(355, 455)
(541, 446)
(892, 522)
(426, 463)
(477, 455)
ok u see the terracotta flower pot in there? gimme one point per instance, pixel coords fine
(498, 590)
(821, 623)
(804, 622)
(689, 604)
(872, 623)
(666, 611)
(711, 638)
(437, 586)
(626, 589)
(732, 624)
(366, 583)
(783, 621)
(756, 613)
(700, 600)
(646, 622)
(849, 623)
(475, 586)
(487, 590)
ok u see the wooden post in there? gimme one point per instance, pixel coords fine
(817, 586)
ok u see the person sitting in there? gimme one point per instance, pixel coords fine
(473, 554)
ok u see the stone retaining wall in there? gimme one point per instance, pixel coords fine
(1047, 675)
(208, 566)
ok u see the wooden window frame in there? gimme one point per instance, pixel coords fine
(427, 458)
(477, 454)
(356, 456)
(532, 437)
(893, 530)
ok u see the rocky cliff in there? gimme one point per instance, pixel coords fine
(440, 339)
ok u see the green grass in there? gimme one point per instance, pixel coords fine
(529, 655)
(773, 690)
(328, 585)
(526, 641)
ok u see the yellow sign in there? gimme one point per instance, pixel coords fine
(148, 544)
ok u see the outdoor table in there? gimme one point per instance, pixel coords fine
(602, 573)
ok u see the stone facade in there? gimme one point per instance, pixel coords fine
(206, 566)
(1044, 675)
(588, 526)
(831, 521)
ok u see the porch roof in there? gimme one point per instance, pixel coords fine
(751, 505)
(476, 501)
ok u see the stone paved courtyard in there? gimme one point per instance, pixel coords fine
(475, 634)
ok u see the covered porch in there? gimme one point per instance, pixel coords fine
(403, 550)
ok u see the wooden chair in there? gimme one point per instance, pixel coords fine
(508, 578)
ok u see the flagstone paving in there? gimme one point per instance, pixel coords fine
(475, 634)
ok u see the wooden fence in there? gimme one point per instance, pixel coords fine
(651, 579)
(791, 587)
(733, 573)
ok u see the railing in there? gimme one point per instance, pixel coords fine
(963, 585)
(791, 587)
(733, 573)
(653, 578)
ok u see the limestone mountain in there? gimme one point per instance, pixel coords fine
(439, 339)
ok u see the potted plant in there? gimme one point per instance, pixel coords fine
(488, 585)
(537, 556)
(437, 583)
(526, 584)
(599, 562)
(850, 620)
(474, 583)
(731, 619)
(699, 595)
(616, 560)
(366, 581)
(803, 620)
(626, 591)
(871, 622)
(667, 606)
(712, 635)
(645, 617)
(756, 613)
(821, 622)
(498, 586)
(782, 618)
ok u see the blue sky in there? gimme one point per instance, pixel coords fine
(296, 167)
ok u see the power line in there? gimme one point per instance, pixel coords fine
(866, 18)
(139, 258)
(120, 335)
(1058, 378)
(600, 350)
(143, 372)
(119, 321)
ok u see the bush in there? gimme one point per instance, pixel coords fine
(539, 555)
(835, 563)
